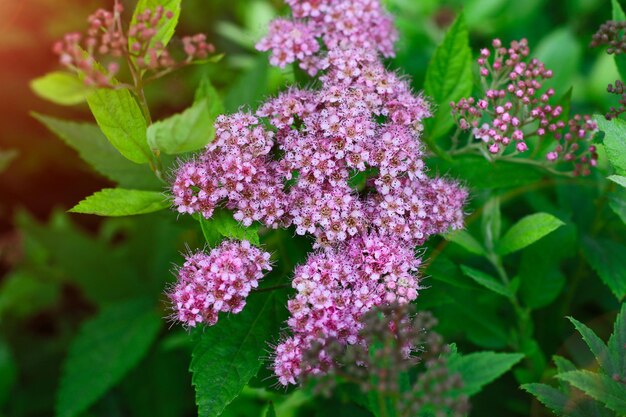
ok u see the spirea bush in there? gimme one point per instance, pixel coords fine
(292, 234)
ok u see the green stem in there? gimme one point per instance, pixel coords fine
(521, 313)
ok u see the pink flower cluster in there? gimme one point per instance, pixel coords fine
(236, 168)
(218, 281)
(516, 108)
(295, 163)
(325, 138)
(335, 288)
(335, 24)
(343, 163)
(107, 40)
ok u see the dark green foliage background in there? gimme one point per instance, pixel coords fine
(60, 271)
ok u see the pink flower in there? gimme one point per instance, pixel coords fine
(336, 287)
(342, 24)
(218, 281)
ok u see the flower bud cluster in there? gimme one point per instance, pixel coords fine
(611, 34)
(329, 24)
(516, 109)
(394, 340)
(619, 90)
(218, 281)
(107, 42)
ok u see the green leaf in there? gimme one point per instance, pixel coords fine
(61, 88)
(466, 241)
(617, 202)
(483, 324)
(480, 368)
(614, 141)
(106, 348)
(562, 364)
(121, 120)
(184, 132)
(165, 30)
(617, 342)
(599, 387)
(23, 293)
(102, 272)
(608, 259)
(541, 277)
(561, 45)
(526, 231)
(206, 90)
(618, 179)
(487, 281)
(95, 149)
(222, 224)
(491, 222)
(122, 202)
(618, 15)
(596, 345)
(482, 174)
(8, 372)
(271, 412)
(228, 355)
(449, 76)
(250, 87)
(6, 156)
(551, 397)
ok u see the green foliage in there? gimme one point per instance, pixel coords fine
(603, 389)
(560, 46)
(600, 387)
(97, 151)
(617, 202)
(61, 88)
(618, 179)
(121, 120)
(596, 345)
(22, 294)
(449, 76)
(227, 355)
(106, 348)
(121, 202)
(481, 174)
(465, 240)
(8, 372)
(491, 223)
(527, 231)
(271, 412)
(192, 129)
(6, 156)
(614, 141)
(487, 281)
(481, 368)
(223, 225)
(250, 87)
(618, 14)
(608, 258)
(166, 29)
(103, 272)
(541, 278)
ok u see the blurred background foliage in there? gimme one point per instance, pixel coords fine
(58, 270)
